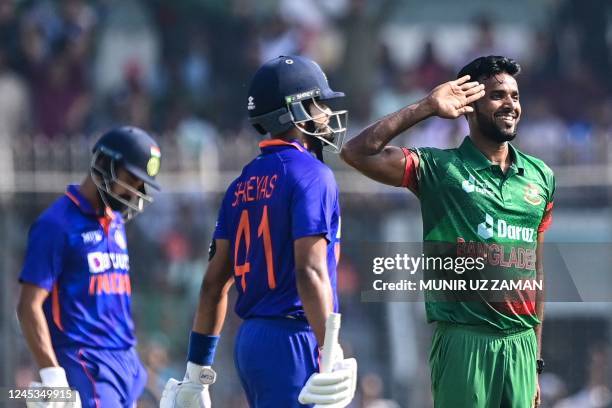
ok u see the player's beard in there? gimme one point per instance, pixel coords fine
(113, 202)
(492, 130)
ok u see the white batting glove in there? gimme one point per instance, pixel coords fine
(192, 392)
(334, 389)
(53, 377)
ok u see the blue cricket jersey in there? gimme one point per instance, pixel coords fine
(82, 260)
(282, 195)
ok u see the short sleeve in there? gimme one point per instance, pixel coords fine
(548, 210)
(410, 178)
(313, 201)
(426, 171)
(221, 230)
(44, 255)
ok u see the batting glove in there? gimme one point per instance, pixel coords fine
(53, 377)
(192, 392)
(335, 389)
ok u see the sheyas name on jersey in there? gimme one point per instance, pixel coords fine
(504, 230)
(254, 188)
(103, 261)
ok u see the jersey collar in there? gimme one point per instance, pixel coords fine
(478, 161)
(274, 143)
(74, 194)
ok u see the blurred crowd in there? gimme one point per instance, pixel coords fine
(70, 69)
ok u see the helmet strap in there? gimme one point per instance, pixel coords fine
(316, 147)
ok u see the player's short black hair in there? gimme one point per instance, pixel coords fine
(486, 67)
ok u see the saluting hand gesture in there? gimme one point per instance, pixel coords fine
(452, 99)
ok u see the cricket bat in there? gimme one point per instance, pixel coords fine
(332, 330)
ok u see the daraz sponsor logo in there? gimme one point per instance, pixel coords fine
(504, 230)
(472, 185)
(103, 261)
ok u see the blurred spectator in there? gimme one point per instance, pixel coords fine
(485, 42)
(543, 133)
(552, 389)
(361, 24)
(404, 89)
(156, 361)
(372, 387)
(597, 392)
(14, 114)
(438, 133)
(62, 101)
(278, 38)
(127, 49)
(131, 103)
(234, 64)
(198, 146)
(196, 68)
(9, 34)
(429, 70)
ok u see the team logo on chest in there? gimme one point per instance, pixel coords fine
(532, 194)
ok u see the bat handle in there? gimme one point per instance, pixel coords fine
(332, 330)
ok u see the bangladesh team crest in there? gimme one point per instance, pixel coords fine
(532, 194)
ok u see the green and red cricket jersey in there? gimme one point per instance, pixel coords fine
(469, 202)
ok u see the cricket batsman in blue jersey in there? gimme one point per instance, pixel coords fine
(277, 238)
(74, 306)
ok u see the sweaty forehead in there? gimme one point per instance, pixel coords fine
(501, 82)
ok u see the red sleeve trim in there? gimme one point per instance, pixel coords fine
(547, 218)
(55, 308)
(410, 179)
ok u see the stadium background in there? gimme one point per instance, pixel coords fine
(72, 68)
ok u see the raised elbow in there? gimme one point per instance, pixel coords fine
(347, 154)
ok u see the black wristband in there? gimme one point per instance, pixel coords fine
(540, 366)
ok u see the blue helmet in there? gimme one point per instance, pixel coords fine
(282, 95)
(137, 152)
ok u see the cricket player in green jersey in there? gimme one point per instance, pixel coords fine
(488, 199)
